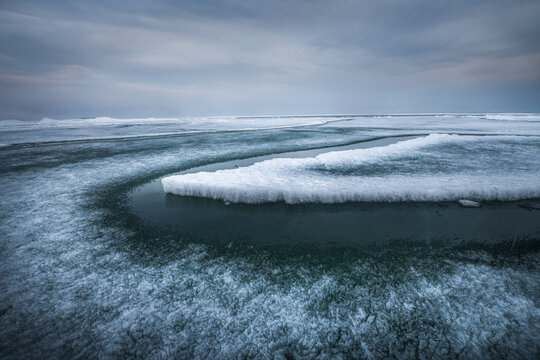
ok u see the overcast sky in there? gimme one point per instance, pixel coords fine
(67, 59)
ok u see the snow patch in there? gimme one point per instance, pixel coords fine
(384, 174)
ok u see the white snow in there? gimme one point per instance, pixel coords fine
(343, 176)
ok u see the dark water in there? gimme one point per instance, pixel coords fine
(363, 225)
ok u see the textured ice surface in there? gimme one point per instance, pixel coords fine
(514, 117)
(231, 122)
(47, 130)
(80, 277)
(433, 168)
(224, 122)
(444, 123)
(100, 128)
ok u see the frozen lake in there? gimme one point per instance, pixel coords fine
(301, 236)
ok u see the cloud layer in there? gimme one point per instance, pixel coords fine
(72, 59)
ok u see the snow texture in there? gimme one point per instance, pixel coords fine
(432, 168)
(81, 278)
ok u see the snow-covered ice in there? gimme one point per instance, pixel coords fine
(437, 167)
(82, 277)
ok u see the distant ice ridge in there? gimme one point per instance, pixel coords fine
(438, 167)
(13, 132)
(223, 122)
(514, 117)
(465, 124)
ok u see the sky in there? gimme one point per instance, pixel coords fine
(70, 59)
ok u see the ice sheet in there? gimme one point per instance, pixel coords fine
(434, 168)
(83, 278)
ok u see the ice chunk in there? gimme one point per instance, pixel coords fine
(468, 203)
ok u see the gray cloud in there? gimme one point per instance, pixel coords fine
(71, 59)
